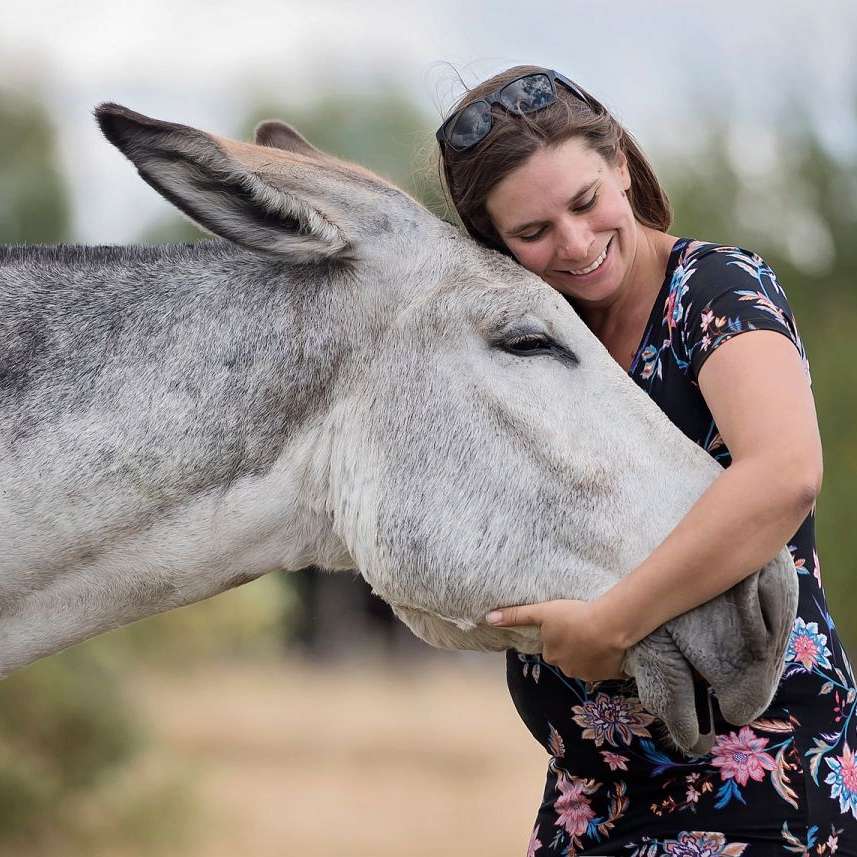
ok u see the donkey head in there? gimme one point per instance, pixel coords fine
(478, 446)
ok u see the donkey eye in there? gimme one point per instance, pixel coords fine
(532, 344)
(529, 344)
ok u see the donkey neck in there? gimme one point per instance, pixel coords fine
(140, 379)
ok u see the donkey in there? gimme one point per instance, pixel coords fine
(338, 379)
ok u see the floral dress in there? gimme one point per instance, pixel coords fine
(785, 783)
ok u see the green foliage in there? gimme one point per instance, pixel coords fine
(33, 200)
(173, 229)
(63, 727)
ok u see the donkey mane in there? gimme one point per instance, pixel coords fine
(110, 255)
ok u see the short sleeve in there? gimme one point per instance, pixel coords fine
(731, 291)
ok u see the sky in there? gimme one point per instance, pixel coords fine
(659, 66)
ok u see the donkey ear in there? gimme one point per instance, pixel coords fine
(201, 176)
(279, 135)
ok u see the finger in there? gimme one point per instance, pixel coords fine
(527, 614)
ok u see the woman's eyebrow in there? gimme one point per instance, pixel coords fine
(575, 199)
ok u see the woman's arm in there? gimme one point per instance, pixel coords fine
(758, 393)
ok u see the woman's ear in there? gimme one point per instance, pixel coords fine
(624, 172)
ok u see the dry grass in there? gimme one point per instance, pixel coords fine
(355, 760)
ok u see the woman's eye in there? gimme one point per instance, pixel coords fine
(587, 205)
(533, 236)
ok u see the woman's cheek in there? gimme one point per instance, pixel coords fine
(534, 259)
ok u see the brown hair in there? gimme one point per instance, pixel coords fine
(468, 176)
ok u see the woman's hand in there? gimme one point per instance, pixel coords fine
(575, 635)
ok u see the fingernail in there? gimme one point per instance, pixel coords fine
(494, 617)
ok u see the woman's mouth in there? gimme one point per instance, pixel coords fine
(592, 268)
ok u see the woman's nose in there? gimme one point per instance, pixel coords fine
(574, 241)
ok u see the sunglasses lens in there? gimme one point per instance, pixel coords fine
(527, 93)
(472, 124)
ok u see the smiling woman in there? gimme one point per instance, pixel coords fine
(554, 181)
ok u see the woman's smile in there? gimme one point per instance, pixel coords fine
(590, 272)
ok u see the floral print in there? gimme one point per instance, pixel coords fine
(807, 646)
(572, 806)
(699, 844)
(607, 718)
(615, 761)
(843, 778)
(742, 756)
(785, 784)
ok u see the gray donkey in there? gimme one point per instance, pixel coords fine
(344, 381)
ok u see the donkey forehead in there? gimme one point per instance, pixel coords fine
(461, 297)
(493, 283)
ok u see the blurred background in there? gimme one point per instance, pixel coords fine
(292, 715)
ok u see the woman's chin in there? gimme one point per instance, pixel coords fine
(594, 296)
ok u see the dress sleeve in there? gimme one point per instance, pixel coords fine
(733, 291)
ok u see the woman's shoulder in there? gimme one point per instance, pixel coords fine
(706, 259)
(707, 273)
(722, 290)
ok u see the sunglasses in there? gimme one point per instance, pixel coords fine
(525, 94)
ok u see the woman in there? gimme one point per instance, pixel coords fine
(539, 170)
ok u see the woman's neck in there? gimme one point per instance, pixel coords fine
(629, 312)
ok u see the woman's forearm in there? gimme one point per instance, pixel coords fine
(737, 526)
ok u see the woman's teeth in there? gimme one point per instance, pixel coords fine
(595, 265)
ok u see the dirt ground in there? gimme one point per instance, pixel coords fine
(354, 760)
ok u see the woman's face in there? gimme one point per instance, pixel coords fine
(560, 211)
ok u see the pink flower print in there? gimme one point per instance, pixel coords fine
(669, 310)
(833, 843)
(616, 761)
(706, 341)
(742, 756)
(705, 319)
(808, 646)
(843, 778)
(692, 795)
(534, 843)
(572, 806)
(605, 716)
(699, 843)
